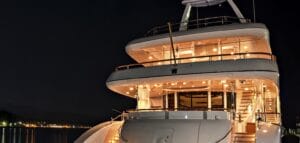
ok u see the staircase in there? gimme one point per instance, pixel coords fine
(243, 138)
(241, 117)
(246, 100)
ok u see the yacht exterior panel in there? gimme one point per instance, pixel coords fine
(249, 65)
(250, 29)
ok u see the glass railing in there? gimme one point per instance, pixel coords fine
(209, 58)
(197, 23)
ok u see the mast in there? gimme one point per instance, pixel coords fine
(206, 3)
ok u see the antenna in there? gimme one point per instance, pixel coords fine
(171, 40)
(254, 13)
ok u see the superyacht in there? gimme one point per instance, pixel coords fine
(210, 80)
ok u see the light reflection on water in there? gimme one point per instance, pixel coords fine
(38, 135)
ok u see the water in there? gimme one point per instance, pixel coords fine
(38, 135)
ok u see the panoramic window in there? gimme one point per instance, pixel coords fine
(193, 99)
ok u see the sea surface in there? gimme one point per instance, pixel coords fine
(39, 135)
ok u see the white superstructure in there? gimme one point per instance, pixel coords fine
(218, 82)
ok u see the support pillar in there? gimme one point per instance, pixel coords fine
(185, 17)
(209, 94)
(175, 100)
(143, 97)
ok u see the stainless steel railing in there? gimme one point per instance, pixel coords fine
(197, 23)
(209, 58)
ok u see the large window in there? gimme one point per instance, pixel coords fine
(192, 99)
(217, 100)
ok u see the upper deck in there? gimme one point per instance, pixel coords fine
(213, 39)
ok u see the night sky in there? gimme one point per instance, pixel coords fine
(55, 55)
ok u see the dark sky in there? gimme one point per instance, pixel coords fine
(56, 55)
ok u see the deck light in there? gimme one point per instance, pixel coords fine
(131, 88)
(264, 131)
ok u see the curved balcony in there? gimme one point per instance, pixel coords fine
(209, 58)
(245, 65)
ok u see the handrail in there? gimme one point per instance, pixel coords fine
(225, 136)
(118, 116)
(180, 109)
(262, 116)
(210, 58)
(197, 23)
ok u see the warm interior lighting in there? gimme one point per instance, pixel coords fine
(184, 83)
(131, 88)
(223, 81)
(245, 47)
(231, 53)
(225, 85)
(203, 82)
(264, 131)
(127, 92)
(186, 52)
(215, 49)
(246, 89)
(227, 47)
(150, 57)
(174, 83)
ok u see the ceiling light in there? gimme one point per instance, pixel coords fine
(150, 57)
(184, 83)
(131, 88)
(215, 49)
(127, 92)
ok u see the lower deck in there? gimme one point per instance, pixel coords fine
(247, 98)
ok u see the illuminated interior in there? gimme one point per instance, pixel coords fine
(251, 96)
(229, 47)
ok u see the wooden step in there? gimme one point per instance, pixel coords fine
(243, 138)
